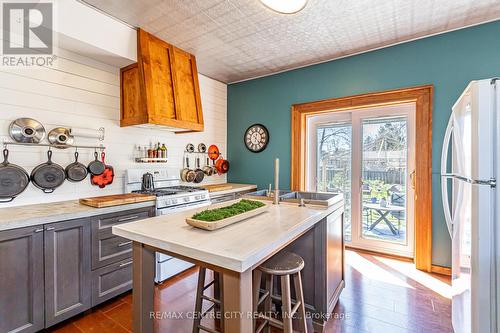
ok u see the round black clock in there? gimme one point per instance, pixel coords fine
(256, 138)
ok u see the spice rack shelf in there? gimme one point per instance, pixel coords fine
(151, 160)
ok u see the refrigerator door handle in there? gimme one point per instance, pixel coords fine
(445, 176)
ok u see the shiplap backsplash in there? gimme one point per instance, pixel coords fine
(83, 93)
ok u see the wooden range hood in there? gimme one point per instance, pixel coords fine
(162, 88)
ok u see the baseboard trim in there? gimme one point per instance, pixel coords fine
(380, 254)
(441, 270)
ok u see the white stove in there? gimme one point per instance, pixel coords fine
(171, 197)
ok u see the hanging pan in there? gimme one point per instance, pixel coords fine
(13, 179)
(76, 171)
(48, 176)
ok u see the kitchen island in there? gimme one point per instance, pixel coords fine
(315, 233)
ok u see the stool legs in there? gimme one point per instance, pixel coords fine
(216, 302)
(199, 301)
(268, 302)
(286, 303)
(299, 295)
(257, 276)
(287, 310)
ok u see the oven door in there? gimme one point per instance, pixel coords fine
(182, 208)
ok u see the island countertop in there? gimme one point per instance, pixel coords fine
(237, 247)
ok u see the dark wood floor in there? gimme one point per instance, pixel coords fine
(381, 295)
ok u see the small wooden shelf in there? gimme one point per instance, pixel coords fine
(151, 160)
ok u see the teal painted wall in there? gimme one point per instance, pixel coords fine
(447, 61)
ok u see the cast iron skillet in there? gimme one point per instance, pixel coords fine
(13, 179)
(96, 167)
(76, 171)
(48, 176)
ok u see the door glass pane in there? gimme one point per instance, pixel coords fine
(384, 170)
(333, 171)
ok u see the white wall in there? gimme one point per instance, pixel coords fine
(82, 92)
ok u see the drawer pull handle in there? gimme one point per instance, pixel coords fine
(50, 228)
(124, 243)
(126, 263)
(128, 218)
(39, 230)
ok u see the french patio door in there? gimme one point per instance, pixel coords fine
(368, 155)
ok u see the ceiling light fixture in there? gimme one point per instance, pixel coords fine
(285, 6)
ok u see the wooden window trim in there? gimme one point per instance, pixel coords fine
(422, 97)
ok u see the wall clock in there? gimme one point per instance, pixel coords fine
(256, 138)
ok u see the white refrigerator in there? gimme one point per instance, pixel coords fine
(469, 169)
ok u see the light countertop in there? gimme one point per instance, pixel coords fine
(235, 188)
(237, 247)
(30, 215)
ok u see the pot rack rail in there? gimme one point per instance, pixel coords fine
(11, 143)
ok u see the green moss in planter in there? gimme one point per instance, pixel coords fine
(217, 214)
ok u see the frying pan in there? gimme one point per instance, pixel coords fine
(13, 179)
(96, 167)
(48, 176)
(76, 171)
(106, 177)
(199, 173)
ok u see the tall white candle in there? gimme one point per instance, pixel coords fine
(276, 180)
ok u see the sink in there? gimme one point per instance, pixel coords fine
(312, 198)
(264, 194)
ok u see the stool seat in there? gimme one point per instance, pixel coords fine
(286, 263)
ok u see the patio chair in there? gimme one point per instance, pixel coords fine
(398, 199)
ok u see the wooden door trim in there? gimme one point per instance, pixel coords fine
(422, 97)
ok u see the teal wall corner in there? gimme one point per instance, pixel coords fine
(447, 61)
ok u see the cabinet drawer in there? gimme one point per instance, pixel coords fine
(102, 224)
(111, 281)
(109, 250)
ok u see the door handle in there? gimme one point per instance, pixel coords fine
(49, 228)
(124, 243)
(413, 175)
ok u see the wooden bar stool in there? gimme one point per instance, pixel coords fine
(200, 297)
(284, 265)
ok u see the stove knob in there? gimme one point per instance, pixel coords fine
(186, 199)
(174, 201)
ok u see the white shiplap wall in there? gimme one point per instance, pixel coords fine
(84, 93)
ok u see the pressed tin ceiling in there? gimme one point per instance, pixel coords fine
(235, 40)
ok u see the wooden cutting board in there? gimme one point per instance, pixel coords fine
(217, 187)
(116, 200)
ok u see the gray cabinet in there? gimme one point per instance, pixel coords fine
(21, 280)
(67, 269)
(108, 248)
(112, 255)
(111, 281)
(52, 272)
(322, 248)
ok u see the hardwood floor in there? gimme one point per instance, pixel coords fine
(381, 295)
